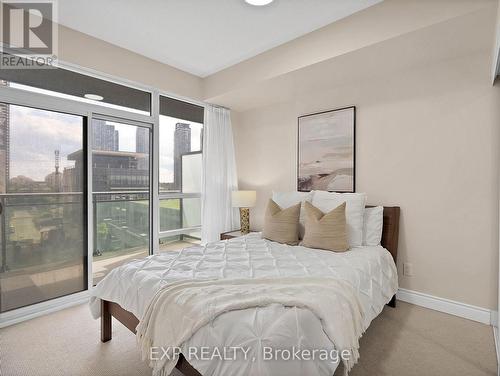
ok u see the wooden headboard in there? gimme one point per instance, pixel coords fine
(390, 231)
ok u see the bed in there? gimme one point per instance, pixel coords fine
(125, 292)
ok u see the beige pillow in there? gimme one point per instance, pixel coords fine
(326, 231)
(282, 225)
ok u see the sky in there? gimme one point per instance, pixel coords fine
(36, 134)
(167, 129)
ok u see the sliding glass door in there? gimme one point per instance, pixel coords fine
(42, 205)
(121, 193)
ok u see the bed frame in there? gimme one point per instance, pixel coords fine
(390, 234)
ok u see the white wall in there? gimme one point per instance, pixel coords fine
(92, 53)
(427, 140)
(376, 24)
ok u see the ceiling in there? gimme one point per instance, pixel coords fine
(202, 36)
(395, 59)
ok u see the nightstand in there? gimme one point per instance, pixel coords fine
(231, 234)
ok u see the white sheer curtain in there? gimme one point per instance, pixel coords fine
(219, 175)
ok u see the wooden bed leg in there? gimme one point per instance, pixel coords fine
(392, 303)
(105, 321)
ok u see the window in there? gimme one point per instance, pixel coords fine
(46, 209)
(43, 203)
(181, 144)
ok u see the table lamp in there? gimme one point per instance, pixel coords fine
(244, 200)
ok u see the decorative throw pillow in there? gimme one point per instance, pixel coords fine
(287, 199)
(282, 225)
(326, 231)
(354, 212)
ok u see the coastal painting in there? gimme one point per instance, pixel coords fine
(326, 151)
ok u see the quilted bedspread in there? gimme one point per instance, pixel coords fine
(369, 270)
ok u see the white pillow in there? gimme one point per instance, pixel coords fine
(287, 199)
(354, 212)
(373, 224)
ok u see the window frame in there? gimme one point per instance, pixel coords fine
(177, 195)
(29, 310)
(135, 123)
(27, 98)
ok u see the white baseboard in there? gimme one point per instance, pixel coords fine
(467, 311)
(494, 318)
(479, 314)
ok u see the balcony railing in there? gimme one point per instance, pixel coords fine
(188, 221)
(122, 227)
(33, 226)
(43, 254)
(40, 228)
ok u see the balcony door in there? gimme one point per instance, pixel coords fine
(121, 193)
(42, 205)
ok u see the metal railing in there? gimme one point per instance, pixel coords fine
(33, 200)
(5, 205)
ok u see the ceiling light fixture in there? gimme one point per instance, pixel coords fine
(94, 97)
(259, 3)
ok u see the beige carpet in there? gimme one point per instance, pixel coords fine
(405, 341)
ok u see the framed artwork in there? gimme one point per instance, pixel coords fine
(326, 151)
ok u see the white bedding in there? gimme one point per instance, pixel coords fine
(370, 271)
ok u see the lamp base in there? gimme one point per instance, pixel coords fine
(245, 220)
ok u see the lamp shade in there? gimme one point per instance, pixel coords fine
(243, 199)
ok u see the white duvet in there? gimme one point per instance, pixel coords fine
(369, 270)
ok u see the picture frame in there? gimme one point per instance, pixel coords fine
(326, 151)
